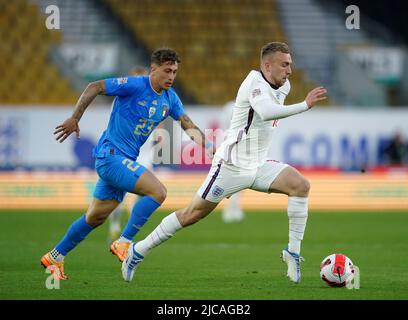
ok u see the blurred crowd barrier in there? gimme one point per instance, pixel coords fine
(379, 190)
(344, 139)
(342, 151)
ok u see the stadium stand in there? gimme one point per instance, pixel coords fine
(320, 41)
(83, 21)
(28, 77)
(218, 46)
(315, 35)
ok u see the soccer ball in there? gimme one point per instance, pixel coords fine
(337, 270)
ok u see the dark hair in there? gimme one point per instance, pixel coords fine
(163, 55)
(273, 47)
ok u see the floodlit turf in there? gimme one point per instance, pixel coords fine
(210, 260)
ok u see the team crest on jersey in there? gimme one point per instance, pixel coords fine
(154, 102)
(152, 111)
(217, 191)
(122, 80)
(165, 110)
(142, 103)
(256, 92)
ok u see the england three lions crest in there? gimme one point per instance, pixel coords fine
(218, 191)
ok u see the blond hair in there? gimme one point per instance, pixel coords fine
(273, 47)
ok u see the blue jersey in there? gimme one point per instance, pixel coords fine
(137, 111)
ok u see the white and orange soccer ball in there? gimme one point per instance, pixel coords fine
(337, 270)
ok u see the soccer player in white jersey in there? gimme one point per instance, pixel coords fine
(232, 211)
(240, 162)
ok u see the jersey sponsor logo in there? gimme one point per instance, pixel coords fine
(256, 92)
(122, 80)
(142, 103)
(217, 191)
(152, 111)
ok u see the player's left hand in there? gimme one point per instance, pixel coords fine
(64, 130)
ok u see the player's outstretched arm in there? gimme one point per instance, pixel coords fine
(268, 110)
(196, 134)
(70, 125)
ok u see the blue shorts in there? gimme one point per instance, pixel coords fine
(117, 174)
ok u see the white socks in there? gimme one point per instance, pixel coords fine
(297, 213)
(123, 239)
(164, 231)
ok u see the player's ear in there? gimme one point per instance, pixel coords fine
(266, 64)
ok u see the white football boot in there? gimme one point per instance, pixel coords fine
(293, 261)
(131, 262)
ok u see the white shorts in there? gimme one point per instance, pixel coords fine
(224, 179)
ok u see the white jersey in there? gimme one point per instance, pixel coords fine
(226, 115)
(248, 138)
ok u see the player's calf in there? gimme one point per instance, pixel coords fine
(197, 210)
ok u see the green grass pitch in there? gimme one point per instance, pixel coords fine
(210, 260)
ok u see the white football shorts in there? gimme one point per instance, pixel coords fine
(223, 179)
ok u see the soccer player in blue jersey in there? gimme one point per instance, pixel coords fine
(145, 158)
(141, 103)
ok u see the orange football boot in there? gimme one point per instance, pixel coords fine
(120, 249)
(57, 269)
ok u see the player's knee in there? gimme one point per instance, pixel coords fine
(95, 220)
(160, 194)
(301, 188)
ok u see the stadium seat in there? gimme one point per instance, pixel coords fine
(23, 54)
(218, 47)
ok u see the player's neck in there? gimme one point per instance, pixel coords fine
(274, 86)
(155, 86)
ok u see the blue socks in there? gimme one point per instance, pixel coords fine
(141, 212)
(77, 232)
(79, 229)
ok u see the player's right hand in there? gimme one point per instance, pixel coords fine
(317, 94)
(64, 130)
